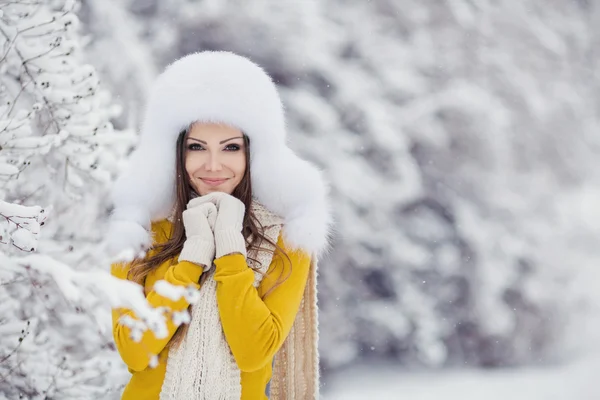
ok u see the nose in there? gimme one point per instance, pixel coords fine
(213, 163)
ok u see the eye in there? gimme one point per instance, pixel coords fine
(233, 147)
(194, 146)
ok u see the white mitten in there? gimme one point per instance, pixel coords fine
(228, 226)
(199, 246)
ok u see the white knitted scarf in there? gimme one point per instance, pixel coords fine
(202, 366)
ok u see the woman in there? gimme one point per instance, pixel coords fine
(237, 215)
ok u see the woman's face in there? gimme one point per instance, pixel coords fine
(215, 157)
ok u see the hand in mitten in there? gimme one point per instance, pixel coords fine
(199, 246)
(228, 226)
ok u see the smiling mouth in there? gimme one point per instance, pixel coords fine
(213, 182)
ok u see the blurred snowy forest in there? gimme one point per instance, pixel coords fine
(462, 142)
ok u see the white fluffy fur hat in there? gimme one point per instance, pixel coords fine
(227, 88)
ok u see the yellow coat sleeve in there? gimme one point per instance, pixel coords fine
(256, 329)
(137, 354)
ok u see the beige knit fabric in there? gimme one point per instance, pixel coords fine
(296, 370)
(203, 368)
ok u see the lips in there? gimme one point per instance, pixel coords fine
(213, 182)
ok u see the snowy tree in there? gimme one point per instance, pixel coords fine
(59, 152)
(113, 34)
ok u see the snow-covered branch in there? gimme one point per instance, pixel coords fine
(118, 293)
(20, 225)
(53, 99)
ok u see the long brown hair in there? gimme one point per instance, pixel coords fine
(169, 250)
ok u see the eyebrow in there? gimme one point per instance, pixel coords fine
(221, 142)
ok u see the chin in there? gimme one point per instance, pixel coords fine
(212, 190)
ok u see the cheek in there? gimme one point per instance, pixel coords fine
(241, 166)
(192, 163)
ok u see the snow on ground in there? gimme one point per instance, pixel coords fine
(577, 381)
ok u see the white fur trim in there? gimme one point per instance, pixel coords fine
(293, 188)
(227, 88)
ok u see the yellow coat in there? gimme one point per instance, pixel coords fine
(255, 329)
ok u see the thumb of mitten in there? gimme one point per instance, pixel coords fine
(210, 211)
(199, 220)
